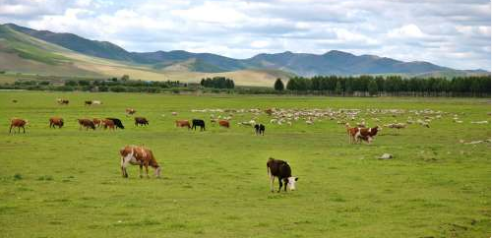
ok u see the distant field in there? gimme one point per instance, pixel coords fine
(67, 183)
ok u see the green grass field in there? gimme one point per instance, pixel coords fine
(67, 182)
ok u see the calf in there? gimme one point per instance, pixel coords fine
(87, 103)
(260, 129)
(56, 121)
(19, 123)
(281, 170)
(117, 122)
(367, 134)
(224, 123)
(138, 155)
(87, 123)
(141, 121)
(198, 122)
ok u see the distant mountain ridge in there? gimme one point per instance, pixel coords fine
(331, 63)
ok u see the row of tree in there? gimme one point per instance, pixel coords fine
(123, 84)
(217, 82)
(389, 85)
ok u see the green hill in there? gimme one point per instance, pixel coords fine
(24, 50)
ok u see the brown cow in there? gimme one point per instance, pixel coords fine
(367, 134)
(138, 155)
(87, 123)
(141, 121)
(56, 121)
(97, 122)
(108, 123)
(224, 123)
(19, 123)
(351, 132)
(183, 123)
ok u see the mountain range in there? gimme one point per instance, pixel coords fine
(46, 52)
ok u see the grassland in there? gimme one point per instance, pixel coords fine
(67, 183)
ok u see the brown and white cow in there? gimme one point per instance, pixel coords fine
(281, 170)
(86, 123)
(56, 121)
(224, 123)
(351, 132)
(130, 111)
(19, 123)
(367, 134)
(138, 155)
(183, 123)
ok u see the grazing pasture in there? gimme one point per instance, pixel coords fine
(67, 182)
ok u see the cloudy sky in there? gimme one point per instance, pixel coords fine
(453, 33)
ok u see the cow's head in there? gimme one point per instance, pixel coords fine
(158, 172)
(291, 183)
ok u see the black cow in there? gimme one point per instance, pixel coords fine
(198, 122)
(117, 122)
(281, 170)
(141, 121)
(260, 129)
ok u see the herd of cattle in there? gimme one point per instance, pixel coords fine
(138, 155)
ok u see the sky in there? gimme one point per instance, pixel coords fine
(452, 33)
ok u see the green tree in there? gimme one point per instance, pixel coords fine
(372, 87)
(339, 88)
(125, 78)
(279, 85)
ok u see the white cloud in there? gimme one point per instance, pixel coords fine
(406, 31)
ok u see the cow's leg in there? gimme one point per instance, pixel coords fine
(141, 166)
(123, 168)
(125, 161)
(23, 129)
(10, 131)
(272, 181)
(279, 184)
(146, 169)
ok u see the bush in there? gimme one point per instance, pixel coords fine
(117, 89)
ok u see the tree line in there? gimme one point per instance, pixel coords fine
(367, 85)
(123, 84)
(217, 82)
